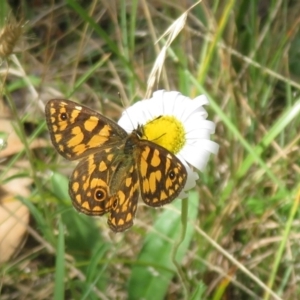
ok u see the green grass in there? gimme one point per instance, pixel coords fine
(237, 236)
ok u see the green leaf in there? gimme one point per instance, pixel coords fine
(59, 187)
(154, 269)
(199, 291)
(79, 226)
(95, 271)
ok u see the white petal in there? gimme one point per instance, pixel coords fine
(190, 183)
(158, 94)
(126, 123)
(147, 111)
(207, 145)
(175, 99)
(156, 104)
(197, 125)
(198, 134)
(134, 116)
(195, 156)
(194, 107)
(167, 101)
(202, 100)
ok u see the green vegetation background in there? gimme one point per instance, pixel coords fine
(242, 238)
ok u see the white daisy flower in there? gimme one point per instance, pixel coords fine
(188, 135)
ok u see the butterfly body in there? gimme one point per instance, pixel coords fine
(115, 167)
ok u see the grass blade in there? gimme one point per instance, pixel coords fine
(59, 285)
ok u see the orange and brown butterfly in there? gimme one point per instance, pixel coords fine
(115, 167)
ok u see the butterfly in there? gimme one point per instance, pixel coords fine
(115, 167)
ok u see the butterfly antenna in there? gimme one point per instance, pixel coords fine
(126, 111)
(157, 138)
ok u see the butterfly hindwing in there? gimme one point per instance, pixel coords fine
(89, 185)
(76, 130)
(102, 183)
(124, 204)
(162, 175)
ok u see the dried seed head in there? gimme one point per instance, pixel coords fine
(9, 36)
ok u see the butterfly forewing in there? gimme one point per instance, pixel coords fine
(77, 130)
(162, 175)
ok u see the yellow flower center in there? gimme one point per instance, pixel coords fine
(166, 131)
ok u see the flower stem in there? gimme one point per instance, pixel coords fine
(177, 243)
